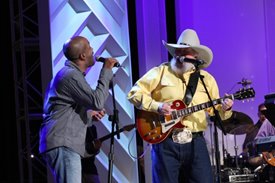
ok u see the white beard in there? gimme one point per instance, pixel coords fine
(185, 67)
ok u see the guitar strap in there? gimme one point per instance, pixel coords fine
(191, 87)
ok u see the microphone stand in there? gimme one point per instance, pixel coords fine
(115, 120)
(217, 121)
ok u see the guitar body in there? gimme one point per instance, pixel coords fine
(269, 157)
(150, 125)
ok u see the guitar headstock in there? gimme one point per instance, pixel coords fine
(244, 93)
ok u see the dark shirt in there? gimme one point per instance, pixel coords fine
(67, 100)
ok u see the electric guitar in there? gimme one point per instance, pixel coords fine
(269, 157)
(90, 145)
(154, 128)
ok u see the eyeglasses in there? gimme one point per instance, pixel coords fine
(262, 111)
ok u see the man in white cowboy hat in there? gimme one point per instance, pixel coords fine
(179, 152)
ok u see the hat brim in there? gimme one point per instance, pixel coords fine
(204, 53)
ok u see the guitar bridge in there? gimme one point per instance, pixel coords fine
(151, 133)
(155, 137)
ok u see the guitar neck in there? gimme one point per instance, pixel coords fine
(199, 107)
(125, 128)
(110, 135)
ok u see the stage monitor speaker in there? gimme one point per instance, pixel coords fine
(270, 106)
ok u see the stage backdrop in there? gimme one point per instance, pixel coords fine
(241, 36)
(105, 24)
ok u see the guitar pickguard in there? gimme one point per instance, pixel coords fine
(167, 125)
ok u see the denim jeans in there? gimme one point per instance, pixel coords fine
(65, 165)
(181, 163)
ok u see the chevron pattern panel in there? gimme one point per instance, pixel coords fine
(105, 24)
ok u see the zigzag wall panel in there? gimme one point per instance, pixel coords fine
(105, 24)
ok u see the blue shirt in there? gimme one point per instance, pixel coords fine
(266, 130)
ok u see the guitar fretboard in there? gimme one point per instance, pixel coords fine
(186, 111)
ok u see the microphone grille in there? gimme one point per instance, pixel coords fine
(100, 59)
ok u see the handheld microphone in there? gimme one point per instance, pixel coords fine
(196, 62)
(102, 59)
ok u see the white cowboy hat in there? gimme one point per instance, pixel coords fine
(190, 39)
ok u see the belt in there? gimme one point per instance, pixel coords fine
(197, 134)
(194, 134)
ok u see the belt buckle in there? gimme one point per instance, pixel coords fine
(182, 136)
